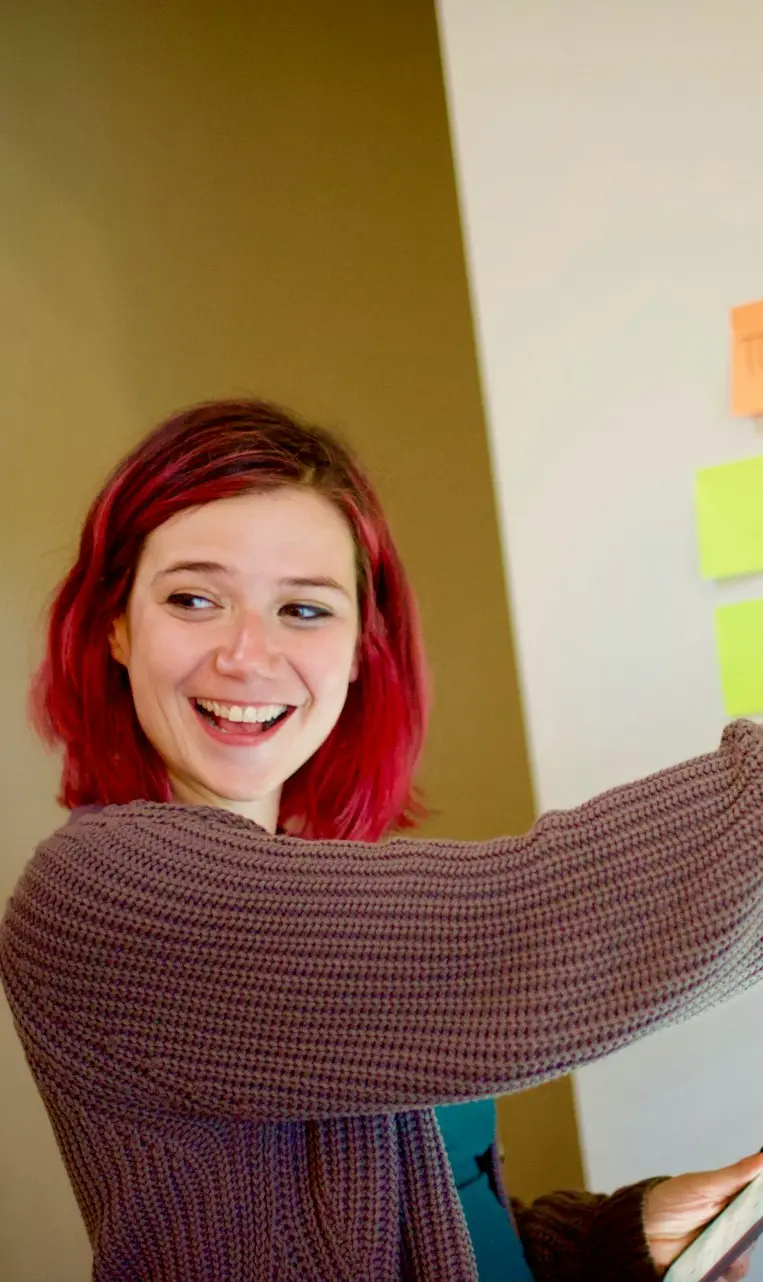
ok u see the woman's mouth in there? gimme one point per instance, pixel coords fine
(240, 722)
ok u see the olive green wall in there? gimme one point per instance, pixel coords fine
(203, 200)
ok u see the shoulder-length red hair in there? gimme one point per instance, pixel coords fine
(359, 784)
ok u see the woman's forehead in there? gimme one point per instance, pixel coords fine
(284, 532)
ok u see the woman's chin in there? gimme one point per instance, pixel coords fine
(226, 792)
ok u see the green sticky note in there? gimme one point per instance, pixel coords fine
(729, 501)
(739, 633)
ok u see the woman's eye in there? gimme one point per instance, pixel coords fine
(190, 601)
(305, 613)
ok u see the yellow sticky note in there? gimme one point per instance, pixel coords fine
(747, 359)
(729, 505)
(739, 633)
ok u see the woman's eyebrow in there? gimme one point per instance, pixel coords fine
(214, 567)
(192, 567)
(315, 581)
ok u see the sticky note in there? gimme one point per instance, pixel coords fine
(729, 507)
(739, 634)
(747, 359)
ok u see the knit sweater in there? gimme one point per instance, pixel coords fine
(239, 1036)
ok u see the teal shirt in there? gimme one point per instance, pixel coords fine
(468, 1132)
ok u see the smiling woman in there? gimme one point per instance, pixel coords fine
(240, 558)
(236, 679)
(240, 1004)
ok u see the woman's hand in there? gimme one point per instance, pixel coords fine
(677, 1210)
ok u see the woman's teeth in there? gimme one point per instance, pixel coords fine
(241, 712)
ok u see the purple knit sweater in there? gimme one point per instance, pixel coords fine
(238, 1037)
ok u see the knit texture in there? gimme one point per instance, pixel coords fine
(239, 1037)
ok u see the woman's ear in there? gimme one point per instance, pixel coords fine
(355, 669)
(119, 640)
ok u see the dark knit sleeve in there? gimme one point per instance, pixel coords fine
(179, 957)
(587, 1237)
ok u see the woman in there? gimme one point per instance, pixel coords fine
(238, 1005)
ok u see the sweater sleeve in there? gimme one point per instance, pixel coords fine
(178, 957)
(587, 1237)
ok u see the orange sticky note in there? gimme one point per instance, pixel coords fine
(747, 360)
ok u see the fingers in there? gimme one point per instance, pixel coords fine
(739, 1269)
(732, 1179)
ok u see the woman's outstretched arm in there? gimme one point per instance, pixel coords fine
(179, 956)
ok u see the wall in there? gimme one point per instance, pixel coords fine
(203, 200)
(613, 206)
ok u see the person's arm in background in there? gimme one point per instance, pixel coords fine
(632, 1235)
(586, 1237)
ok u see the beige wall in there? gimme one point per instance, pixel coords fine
(204, 200)
(602, 299)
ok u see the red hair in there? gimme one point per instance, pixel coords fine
(359, 784)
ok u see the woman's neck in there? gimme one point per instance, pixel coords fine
(262, 811)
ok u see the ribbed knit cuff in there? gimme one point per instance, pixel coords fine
(618, 1248)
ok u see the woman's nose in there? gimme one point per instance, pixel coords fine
(248, 647)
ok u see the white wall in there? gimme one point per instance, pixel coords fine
(612, 193)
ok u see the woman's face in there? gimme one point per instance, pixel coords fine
(240, 642)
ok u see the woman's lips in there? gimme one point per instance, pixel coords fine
(239, 733)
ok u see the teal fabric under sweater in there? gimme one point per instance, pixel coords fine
(469, 1131)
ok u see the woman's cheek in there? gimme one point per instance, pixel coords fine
(330, 665)
(178, 650)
